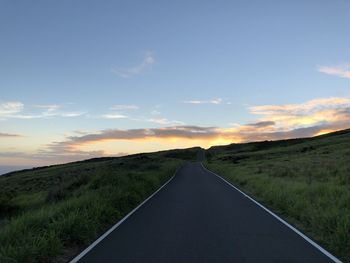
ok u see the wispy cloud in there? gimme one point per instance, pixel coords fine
(15, 110)
(216, 101)
(114, 116)
(124, 107)
(146, 64)
(342, 71)
(48, 107)
(10, 108)
(165, 121)
(55, 111)
(71, 114)
(9, 135)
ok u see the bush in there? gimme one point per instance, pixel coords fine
(7, 207)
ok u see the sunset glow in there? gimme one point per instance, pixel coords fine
(85, 80)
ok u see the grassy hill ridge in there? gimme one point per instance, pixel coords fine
(49, 214)
(306, 181)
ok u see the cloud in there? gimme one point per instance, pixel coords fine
(342, 71)
(113, 116)
(213, 101)
(207, 135)
(314, 112)
(54, 110)
(80, 132)
(302, 108)
(15, 110)
(71, 114)
(146, 64)
(9, 135)
(10, 108)
(273, 122)
(132, 134)
(70, 148)
(48, 107)
(262, 124)
(124, 107)
(165, 121)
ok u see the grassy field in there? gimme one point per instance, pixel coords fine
(306, 181)
(50, 214)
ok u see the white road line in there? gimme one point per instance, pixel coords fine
(325, 252)
(85, 251)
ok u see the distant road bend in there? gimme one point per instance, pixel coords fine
(198, 217)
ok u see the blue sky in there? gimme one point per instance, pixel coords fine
(76, 68)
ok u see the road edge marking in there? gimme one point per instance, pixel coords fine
(103, 236)
(313, 243)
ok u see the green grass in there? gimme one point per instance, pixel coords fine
(306, 181)
(51, 214)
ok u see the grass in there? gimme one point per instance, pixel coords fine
(306, 181)
(50, 214)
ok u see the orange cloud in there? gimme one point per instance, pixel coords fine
(311, 113)
(311, 118)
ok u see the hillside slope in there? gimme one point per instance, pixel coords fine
(306, 181)
(49, 214)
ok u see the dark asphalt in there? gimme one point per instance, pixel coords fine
(199, 218)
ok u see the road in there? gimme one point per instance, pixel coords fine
(197, 217)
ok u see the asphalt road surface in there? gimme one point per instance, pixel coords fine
(197, 217)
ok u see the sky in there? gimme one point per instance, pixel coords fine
(82, 79)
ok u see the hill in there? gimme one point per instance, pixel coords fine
(48, 214)
(306, 181)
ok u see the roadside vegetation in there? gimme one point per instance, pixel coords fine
(306, 181)
(50, 214)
